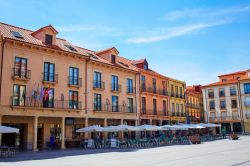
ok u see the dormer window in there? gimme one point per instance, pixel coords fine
(113, 58)
(48, 39)
(224, 80)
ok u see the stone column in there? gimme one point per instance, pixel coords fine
(121, 134)
(63, 133)
(105, 134)
(232, 127)
(34, 148)
(86, 135)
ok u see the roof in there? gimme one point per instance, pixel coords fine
(6, 31)
(107, 50)
(221, 83)
(139, 61)
(234, 73)
(48, 26)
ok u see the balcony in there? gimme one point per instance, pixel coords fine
(98, 85)
(37, 103)
(130, 90)
(151, 89)
(248, 116)
(74, 82)
(116, 88)
(247, 104)
(130, 109)
(50, 78)
(21, 74)
(222, 94)
(211, 95)
(225, 118)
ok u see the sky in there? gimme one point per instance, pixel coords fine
(193, 41)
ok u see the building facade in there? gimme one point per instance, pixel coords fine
(194, 104)
(177, 101)
(225, 102)
(49, 88)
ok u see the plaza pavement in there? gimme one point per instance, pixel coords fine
(215, 153)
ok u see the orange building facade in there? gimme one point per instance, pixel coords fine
(49, 88)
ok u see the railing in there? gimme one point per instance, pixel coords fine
(37, 103)
(232, 93)
(50, 78)
(113, 108)
(155, 90)
(247, 104)
(74, 81)
(130, 90)
(211, 95)
(98, 85)
(192, 105)
(116, 88)
(224, 118)
(221, 94)
(21, 73)
(143, 111)
(248, 116)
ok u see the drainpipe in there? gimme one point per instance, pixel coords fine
(86, 86)
(139, 73)
(241, 108)
(2, 56)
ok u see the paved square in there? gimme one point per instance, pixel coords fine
(218, 153)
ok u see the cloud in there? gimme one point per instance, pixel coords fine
(203, 12)
(175, 32)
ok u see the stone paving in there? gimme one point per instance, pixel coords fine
(215, 153)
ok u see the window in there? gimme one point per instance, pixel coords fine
(113, 58)
(129, 85)
(222, 104)
(48, 97)
(145, 66)
(247, 88)
(73, 99)
(130, 105)
(73, 76)
(210, 93)
(154, 84)
(114, 84)
(71, 48)
(177, 108)
(97, 102)
(176, 91)
(173, 108)
(48, 39)
(97, 79)
(19, 95)
(211, 104)
(222, 92)
(172, 90)
(49, 72)
(164, 85)
(232, 91)
(20, 67)
(182, 111)
(247, 101)
(143, 82)
(224, 80)
(115, 104)
(143, 106)
(16, 34)
(181, 92)
(234, 103)
(164, 106)
(155, 106)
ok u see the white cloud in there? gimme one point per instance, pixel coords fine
(203, 12)
(175, 32)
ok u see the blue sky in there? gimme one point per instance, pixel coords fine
(193, 41)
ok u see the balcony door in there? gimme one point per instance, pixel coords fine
(48, 97)
(73, 99)
(49, 72)
(20, 67)
(19, 94)
(73, 76)
(97, 79)
(114, 83)
(115, 104)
